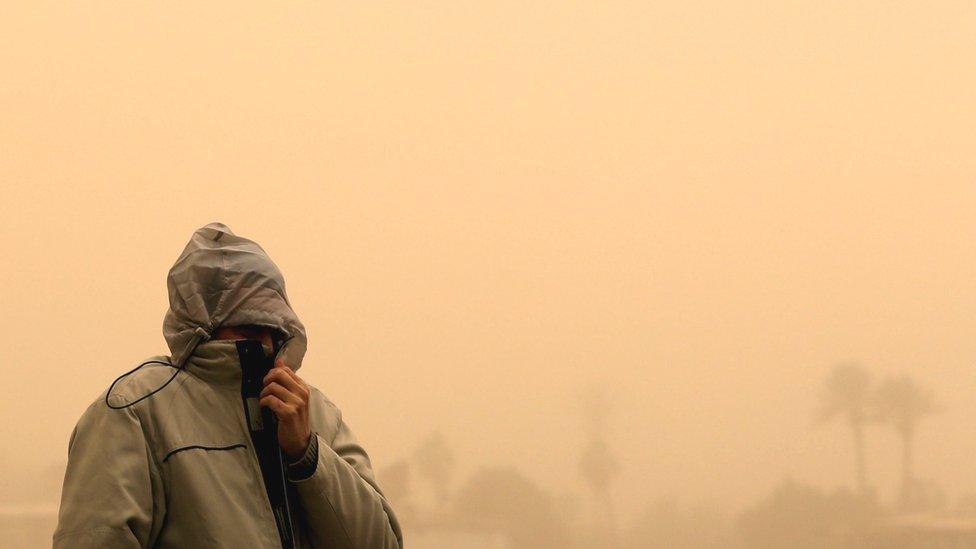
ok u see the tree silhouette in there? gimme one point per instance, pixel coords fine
(799, 516)
(598, 465)
(503, 500)
(396, 482)
(901, 403)
(846, 395)
(436, 464)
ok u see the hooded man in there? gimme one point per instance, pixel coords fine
(166, 456)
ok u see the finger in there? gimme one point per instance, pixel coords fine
(280, 363)
(280, 408)
(280, 376)
(290, 380)
(282, 393)
(294, 376)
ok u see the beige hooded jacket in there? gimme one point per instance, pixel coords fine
(176, 467)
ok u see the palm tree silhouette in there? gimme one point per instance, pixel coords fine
(598, 465)
(436, 464)
(901, 403)
(847, 395)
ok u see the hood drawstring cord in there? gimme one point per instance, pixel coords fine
(134, 370)
(202, 336)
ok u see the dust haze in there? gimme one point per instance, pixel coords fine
(688, 274)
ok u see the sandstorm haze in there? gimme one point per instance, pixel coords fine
(491, 216)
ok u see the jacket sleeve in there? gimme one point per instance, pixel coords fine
(342, 503)
(107, 497)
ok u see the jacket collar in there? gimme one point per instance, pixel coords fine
(217, 363)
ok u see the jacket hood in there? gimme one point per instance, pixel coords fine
(222, 279)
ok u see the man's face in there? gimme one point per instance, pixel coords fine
(265, 335)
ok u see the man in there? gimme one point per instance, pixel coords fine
(165, 458)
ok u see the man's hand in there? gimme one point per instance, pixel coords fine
(287, 396)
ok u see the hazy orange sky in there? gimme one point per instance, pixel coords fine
(481, 209)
